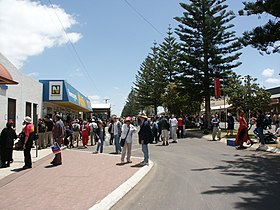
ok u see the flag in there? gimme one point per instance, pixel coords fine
(217, 87)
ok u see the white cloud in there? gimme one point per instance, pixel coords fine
(76, 73)
(29, 27)
(268, 72)
(33, 74)
(273, 81)
(95, 98)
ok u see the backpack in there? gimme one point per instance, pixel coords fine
(265, 122)
(154, 126)
(76, 127)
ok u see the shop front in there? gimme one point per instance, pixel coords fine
(61, 97)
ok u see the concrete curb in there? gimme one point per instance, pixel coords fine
(111, 199)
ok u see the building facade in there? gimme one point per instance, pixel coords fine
(18, 101)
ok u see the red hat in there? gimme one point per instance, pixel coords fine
(128, 119)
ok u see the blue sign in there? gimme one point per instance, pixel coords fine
(52, 92)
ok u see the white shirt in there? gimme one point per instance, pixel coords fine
(173, 122)
(115, 128)
(92, 126)
(129, 135)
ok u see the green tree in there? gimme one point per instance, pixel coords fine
(150, 82)
(131, 107)
(265, 37)
(177, 102)
(169, 60)
(245, 93)
(209, 48)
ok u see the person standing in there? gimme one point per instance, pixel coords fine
(41, 130)
(49, 127)
(8, 135)
(165, 126)
(110, 130)
(85, 133)
(58, 135)
(260, 127)
(230, 121)
(68, 134)
(242, 134)
(155, 130)
(173, 123)
(145, 137)
(216, 129)
(117, 130)
(127, 131)
(100, 135)
(76, 132)
(28, 142)
(92, 131)
(180, 127)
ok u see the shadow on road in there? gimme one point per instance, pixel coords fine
(260, 176)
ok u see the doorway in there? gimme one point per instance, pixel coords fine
(12, 110)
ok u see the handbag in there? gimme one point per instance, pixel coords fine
(123, 140)
(56, 148)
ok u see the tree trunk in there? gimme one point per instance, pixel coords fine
(155, 109)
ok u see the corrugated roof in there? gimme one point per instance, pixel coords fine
(5, 77)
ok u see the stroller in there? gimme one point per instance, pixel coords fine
(269, 137)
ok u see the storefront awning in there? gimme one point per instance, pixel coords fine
(62, 93)
(5, 77)
(71, 106)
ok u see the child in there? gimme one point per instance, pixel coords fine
(100, 134)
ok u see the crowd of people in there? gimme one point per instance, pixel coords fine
(83, 133)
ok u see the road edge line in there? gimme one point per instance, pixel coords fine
(112, 198)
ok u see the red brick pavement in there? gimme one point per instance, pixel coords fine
(79, 183)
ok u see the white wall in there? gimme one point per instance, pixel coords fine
(28, 90)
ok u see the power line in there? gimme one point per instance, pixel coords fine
(147, 21)
(74, 49)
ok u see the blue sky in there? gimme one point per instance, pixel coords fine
(111, 40)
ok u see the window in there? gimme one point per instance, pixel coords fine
(28, 109)
(12, 110)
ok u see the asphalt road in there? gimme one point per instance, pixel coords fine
(200, 174)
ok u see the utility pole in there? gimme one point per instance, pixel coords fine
(106, 100)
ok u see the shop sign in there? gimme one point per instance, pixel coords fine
(55, 90)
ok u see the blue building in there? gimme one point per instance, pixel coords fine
(61, 97)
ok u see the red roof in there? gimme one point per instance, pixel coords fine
(5, 76)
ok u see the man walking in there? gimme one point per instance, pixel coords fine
(145, 137)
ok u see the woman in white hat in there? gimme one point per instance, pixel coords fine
(127, 132)
(28, 142)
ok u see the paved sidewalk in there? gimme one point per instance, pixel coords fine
(19, 160)
(81, 182)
